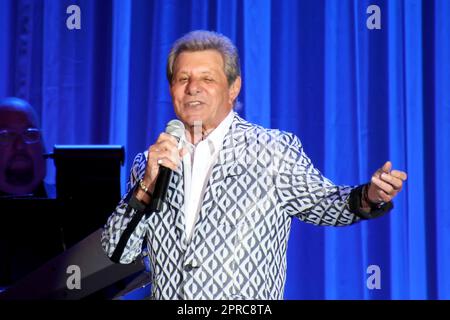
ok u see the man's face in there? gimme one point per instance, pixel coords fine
(199, 89)
(22, 165)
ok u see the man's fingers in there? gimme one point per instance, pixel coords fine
(166, 162)
(166, 144)
(395, 182)
(183, 152)
(386, 183)
(171, 155)
(387, 167)
(386, 187)
(165, 152)
(158, 148)
(167, 137)
(384, 196)
(399, 174)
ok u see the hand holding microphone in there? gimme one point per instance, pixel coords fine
(164, 157)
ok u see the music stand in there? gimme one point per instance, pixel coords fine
(88, 183)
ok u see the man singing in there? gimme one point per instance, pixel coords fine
(223, 228)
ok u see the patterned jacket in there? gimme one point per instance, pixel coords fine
(261, 180)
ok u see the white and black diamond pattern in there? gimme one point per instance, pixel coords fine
(238, 250)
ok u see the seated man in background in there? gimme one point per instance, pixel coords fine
(33, 233)
(22, 163)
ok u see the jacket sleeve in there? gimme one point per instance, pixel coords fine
(304, 192)
(125, 230)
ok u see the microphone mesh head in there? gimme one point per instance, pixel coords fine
(175, 128)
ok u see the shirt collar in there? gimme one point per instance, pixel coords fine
(215, 137)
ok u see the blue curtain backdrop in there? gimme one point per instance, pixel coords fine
(355, 97)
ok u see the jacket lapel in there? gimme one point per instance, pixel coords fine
(227, 164)
(233, 149)
(175, 199)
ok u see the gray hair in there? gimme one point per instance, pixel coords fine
(201, 40)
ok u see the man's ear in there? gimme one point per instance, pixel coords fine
(235, 88)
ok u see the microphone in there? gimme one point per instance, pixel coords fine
(176, 129)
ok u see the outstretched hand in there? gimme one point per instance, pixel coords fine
(385, 184)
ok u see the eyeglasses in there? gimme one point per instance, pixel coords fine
(29, 136)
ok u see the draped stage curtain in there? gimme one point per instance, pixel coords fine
(356, 97)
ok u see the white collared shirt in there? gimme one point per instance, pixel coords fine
(197, 165)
